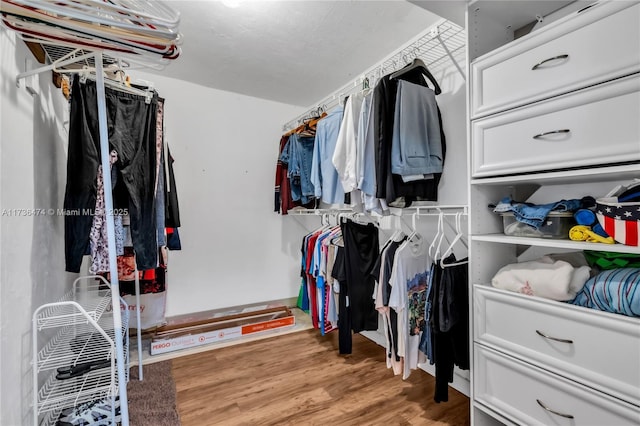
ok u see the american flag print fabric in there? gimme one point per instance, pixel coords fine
(620, 221)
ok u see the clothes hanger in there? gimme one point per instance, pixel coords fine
(414, 238)
(442, 237)
(87, 73)
(398, 234)
(439, 229)
(417, 63)
(459, 237)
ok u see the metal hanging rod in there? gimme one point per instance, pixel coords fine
(317, 212)
(436, 46)
(437, 210)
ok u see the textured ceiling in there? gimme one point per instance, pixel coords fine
(295, 52)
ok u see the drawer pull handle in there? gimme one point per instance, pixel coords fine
(540, 333)
(555, 58)
(540, 403)
(553, 132)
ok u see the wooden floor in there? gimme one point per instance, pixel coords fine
(300, 379)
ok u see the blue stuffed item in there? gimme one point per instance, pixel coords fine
(615, 290)
(587, 217)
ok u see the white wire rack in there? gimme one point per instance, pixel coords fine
(439, 47)
(69, 313)
(86, 337)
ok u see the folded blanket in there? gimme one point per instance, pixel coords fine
(556, 280)
(615, 290)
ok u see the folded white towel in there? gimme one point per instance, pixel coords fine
(556, 280)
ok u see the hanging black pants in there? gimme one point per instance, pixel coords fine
(361, 252)
(450, 324)
(339, 272)
(131, 124)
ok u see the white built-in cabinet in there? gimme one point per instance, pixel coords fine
(553, 114)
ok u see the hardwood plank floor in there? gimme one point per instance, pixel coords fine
(300, 379)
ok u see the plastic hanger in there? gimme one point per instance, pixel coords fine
(439, 229)
(415, 239)
(459, 237)
(417, 63)
(442, 237)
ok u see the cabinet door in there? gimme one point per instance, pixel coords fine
(572, 341)
(599, 44)
(598, 125)
(532, 396)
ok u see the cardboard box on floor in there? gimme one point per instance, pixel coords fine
(232, 325)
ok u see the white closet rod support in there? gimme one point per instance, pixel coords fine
(455, 63)
(111, 239)
(52, 66)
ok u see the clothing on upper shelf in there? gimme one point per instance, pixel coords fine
(389, 186)
(384, 146)
(282, 202)
(345, 154)
(416, 149)
(324, 175)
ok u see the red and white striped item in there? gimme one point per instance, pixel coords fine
(621, 220)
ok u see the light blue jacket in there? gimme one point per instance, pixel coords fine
(416, 147)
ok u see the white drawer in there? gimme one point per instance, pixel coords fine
(603, 42)
(513, 388)
(604, 352)
(597, 125)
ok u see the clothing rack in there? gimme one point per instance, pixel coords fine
(438, 46)
(131, 31)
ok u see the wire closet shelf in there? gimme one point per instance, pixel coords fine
(439, 47)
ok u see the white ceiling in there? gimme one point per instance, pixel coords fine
(295, 52)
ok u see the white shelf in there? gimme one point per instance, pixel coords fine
(74, 345)
(563, 244)
(595, 174)
(69, 312)
(85, 335)
(58, 394)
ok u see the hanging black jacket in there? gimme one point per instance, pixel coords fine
(390, 187)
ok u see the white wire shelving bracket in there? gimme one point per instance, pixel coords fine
(438, 46)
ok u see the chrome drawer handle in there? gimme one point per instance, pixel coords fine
(568, 416)
(536, 66)
(553, 132)
(540, 333)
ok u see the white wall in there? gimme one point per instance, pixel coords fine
(235, 249)
(32, 175)
(452, 104)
